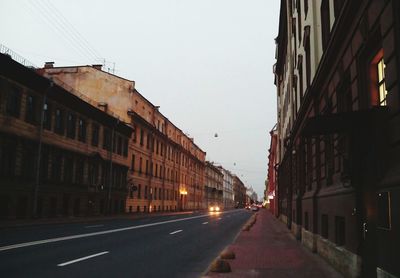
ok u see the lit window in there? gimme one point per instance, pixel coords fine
(381, 82)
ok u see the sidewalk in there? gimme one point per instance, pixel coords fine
(82, 219)
(269, 250)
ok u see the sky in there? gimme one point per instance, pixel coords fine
(206, 63)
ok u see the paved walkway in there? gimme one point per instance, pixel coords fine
(269, 250)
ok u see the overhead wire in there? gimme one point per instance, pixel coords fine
(55, 20)
(48, 22)
(74, 32)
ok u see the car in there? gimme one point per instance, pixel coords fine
(214, 208)
(254, 208)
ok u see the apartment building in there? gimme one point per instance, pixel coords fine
(337, 79)
(227, 187)
(166, 166)
(213, 191)
(56, 152)
(239, 192)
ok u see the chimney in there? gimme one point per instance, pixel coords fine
(48, 65)
(97, 66)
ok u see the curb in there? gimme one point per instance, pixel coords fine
(226, 249)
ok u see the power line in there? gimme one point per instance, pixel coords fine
(55, 20)
(75, 33)
(43, 17)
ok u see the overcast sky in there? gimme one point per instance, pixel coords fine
(207, 63)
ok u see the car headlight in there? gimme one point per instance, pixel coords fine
(211, 208)
(217, 209)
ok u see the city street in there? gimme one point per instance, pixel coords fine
(162, 246)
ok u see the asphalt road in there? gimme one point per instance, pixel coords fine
(164, 246)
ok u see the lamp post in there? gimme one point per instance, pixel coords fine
(111, 166)
(37, 179)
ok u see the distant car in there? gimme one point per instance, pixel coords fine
(248, 207)
(255, 208)
(214, 208)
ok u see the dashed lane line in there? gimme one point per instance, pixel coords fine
(83, 258)
(57, 239)
(175, 232)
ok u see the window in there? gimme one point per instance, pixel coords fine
(47, 116)
(305, 7)
(80, 165)
(59, 121)
(145, 192)
(299, 19)
(141, 136)
(44, 163)
(308, 53)
(140, 165)
(13, 105)
(125, 148)
(139, 192)
(147, 167)
(106, 139)
(324, 225)
(95, 135)
(148, 141)
(384, 210)
(381, 82)
(377, 76)
(340, 230)
(71, 122)
(93, 173)
(68, 169)
(31, 111)
(82, 130)
(133, 163)
(119, 145)
(29, 158)
(56, 170)
(134, 133)
(325, 23)
(7, 157)
(306, 220)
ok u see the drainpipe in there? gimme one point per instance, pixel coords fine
(37, 180)
(111, 166)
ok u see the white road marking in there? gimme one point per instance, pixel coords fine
(94, 226)
(219, 218)
(44, 241)
(178, 231)
(83, 258)
(204, 223)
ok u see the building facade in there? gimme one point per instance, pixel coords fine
(59, 155)
(166, 166)
(271, 190)
(337, 79)
(227, 196)
(239, 191)
(213, 190)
